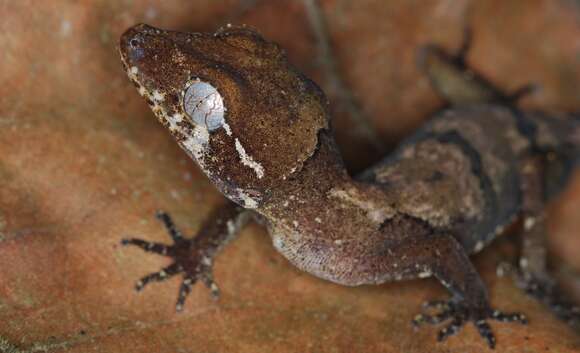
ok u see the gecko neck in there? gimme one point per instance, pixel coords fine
(322, 172)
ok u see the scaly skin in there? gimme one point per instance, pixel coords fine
(260, 131)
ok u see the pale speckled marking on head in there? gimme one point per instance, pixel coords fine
(132, 74)
(158, 96)
(248, 201)
(247, 160)
(197, 143)
(227, 128)
(204, 107)
(174, 121)
(155, 96)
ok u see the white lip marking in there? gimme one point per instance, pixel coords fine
(228, 129)
(247, 160)
(158, 96)
(248, 201)
(197, 144)
(174, 120)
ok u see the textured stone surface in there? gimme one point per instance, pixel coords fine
(84, 163)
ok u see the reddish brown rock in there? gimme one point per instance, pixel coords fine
(84, 163)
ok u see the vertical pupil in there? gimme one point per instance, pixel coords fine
(204, 105)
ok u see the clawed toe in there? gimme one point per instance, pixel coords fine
(431, 319)
(148, 246)
(509, 317)
(211, 285)
(162, 275)
(436, 304)
(169, 225)
(461, 313)
(485, 331)
(545, 290)
(450, 329)
(184, 291)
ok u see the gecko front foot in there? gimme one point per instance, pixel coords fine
(189, 258)
(459, 312)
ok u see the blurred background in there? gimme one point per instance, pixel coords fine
(84, 163)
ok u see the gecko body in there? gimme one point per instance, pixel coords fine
(260, 131)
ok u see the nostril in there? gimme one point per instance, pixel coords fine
(135, 48)
(134, 43)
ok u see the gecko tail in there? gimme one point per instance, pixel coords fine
(573, 139)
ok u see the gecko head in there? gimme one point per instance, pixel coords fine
(231, 101)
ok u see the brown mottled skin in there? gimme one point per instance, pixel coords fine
(446, 192)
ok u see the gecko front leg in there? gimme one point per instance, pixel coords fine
(443, 256)
(193, 257)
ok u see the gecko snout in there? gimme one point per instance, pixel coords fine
(141, 42)
(132, 42)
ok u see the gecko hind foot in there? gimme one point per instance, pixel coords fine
(188, 259)
(460, 313)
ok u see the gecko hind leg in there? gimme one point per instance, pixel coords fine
(193, 257)
(454, 81)
(533, 275)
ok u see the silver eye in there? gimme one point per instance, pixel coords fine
(204, 105)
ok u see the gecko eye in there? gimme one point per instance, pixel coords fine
(204, 105)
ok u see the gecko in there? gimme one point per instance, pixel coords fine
(261, 132)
